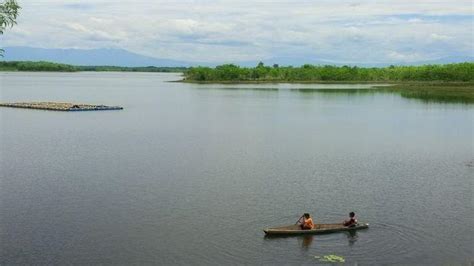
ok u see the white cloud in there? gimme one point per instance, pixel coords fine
(440, 37)
(405, 57)
(232, 30)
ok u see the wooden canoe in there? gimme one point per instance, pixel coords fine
(319, 229)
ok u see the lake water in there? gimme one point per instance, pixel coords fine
(191, 174)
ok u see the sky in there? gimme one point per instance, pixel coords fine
(337, 31)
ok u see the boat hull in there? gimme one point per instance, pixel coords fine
(320, 229)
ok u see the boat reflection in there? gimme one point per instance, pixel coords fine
(307, 240)
(351, 237)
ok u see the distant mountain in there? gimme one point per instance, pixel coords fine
(120, 57)
(93, 57)
(297, 61)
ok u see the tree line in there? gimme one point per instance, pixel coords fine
(56, 67)
(35, 66)
(315, 73)
(306, 73)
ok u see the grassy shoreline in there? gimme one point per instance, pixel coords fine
(441, 83)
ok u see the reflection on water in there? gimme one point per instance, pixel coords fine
(268, 89)
(420, 96)
(334, 93)
(429, 98)
(307, 241)
(337, 91)
(343, 91)
(351, 237)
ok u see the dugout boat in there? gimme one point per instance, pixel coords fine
(318, 229)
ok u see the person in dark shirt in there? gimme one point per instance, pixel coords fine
(352, 220)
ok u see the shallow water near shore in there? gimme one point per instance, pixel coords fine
(192, 173)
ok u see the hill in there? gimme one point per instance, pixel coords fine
(82, 57)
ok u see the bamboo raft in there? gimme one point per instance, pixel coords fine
(58, 106)
(319, 229)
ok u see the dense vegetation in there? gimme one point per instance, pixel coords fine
(49, 66)
(449, 90)
(312, 73)
(35, 66)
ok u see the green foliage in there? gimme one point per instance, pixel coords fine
(312, 73)
(331, 259)
(8, 14)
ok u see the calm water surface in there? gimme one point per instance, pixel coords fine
(191, 174)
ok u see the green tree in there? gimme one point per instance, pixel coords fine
(450, 72)
(8, 14)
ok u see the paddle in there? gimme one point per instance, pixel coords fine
(299, 219)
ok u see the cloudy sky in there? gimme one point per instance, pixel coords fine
(362, 31)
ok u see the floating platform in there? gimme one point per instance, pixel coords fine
(55, 106)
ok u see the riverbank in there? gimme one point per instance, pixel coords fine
(442, 83)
